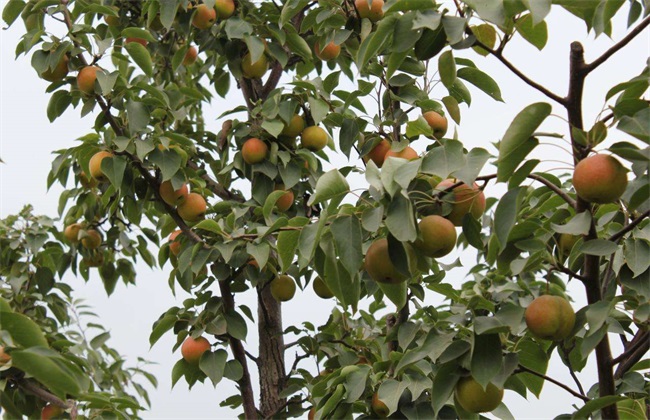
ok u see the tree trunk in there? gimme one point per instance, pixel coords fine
(271, 354)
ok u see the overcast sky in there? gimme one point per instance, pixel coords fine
(27, 140)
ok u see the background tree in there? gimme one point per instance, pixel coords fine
(274, 216)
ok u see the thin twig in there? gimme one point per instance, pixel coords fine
(616, 47)
(554, 188)
(554, 381)
(618, 235)
(565, 270)
(640, 339)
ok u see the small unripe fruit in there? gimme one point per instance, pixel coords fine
(190, 56)
(600, 179)
(473, 398)
(112, 20)
(171, 196)
(86, 79)
(95, 165)
(254, 151)
(204, 17)
(71, 232)
(321, 289)
(225, 8)
(464, 199)
(283, 288)
(295, 127)
(378, 406)
(329, 52)
(174, 244)
(378, 153)
(314, 138)
(93, 239)
(286, 201)
(51, 412)
(407, 153)
(437, 122)
(379, 265)
(140, 41)
(254, 70)
(550, 318)
(58, 72)
(192, 349)
(373, 12)
(566, 243)
(193, 208)
(438, 236)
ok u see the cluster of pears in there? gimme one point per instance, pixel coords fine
(382, 150)
(283, 288)
(191, 207)
(204, 16)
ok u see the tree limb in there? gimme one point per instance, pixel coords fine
(638, 348)
(245, 386)
(566, 197)
(619, 45)
(43, 394)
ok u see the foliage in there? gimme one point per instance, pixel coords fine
(150, 116)
(44, 333)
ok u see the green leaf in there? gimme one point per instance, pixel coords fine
(355, 383)
(42, 364)
(532, 356)
(161, 327)
(599, 247)
(23, 331)
(372, 45)
(331, 185)
(486, 35)
(400, 219)
(491, 11)
(396, 293)
(443, 385)
(141, 56)
(288, 242)
(517, 141)
(442, 161)
(12, 10)
(298, 45)
(210, 225)
(451, 104)
(433, 346)
(537, 35)
(430, 44)
(390, 392)
(213, 365)
(447, 68)
(347, 239)
(138, 116)
(114, 168)
(406, 5)
(487, 358)
(236, 325)
(637, 255)
(58, 103)
(168, 10)
(134, 32)
(168, 161)
(539, 9)
(505, 215)
(595, 405)
(637, 126)
(482, 81)
(578, 225)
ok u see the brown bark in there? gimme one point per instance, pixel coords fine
(271, 354)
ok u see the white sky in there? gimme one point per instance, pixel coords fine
(27, 139)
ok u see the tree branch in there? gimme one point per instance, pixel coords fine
(245, 386)
(638, 348)
(522, 76)
(565, 270)
(618, 235)
(556, 382)
(43, 394)
(619, 45)
(214, 186)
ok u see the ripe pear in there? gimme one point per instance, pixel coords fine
(286, 201)
(437, 236)
(86, 79)
(379, 265)
(600, 179)
(93, 239)
(95, 165)
(437, 122)
(225, 8)
(379, 407)
(174, 244)
(71, 232)
(192, 349)
(464, 199)
(329, 52)
(550, 318)
(171, 196)
(373, 12)
(193, 208)
(58, 72)
(378, 153)
(190, 56)
(295, 127)
(407, 153)
(204, 17)
(254, 151)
